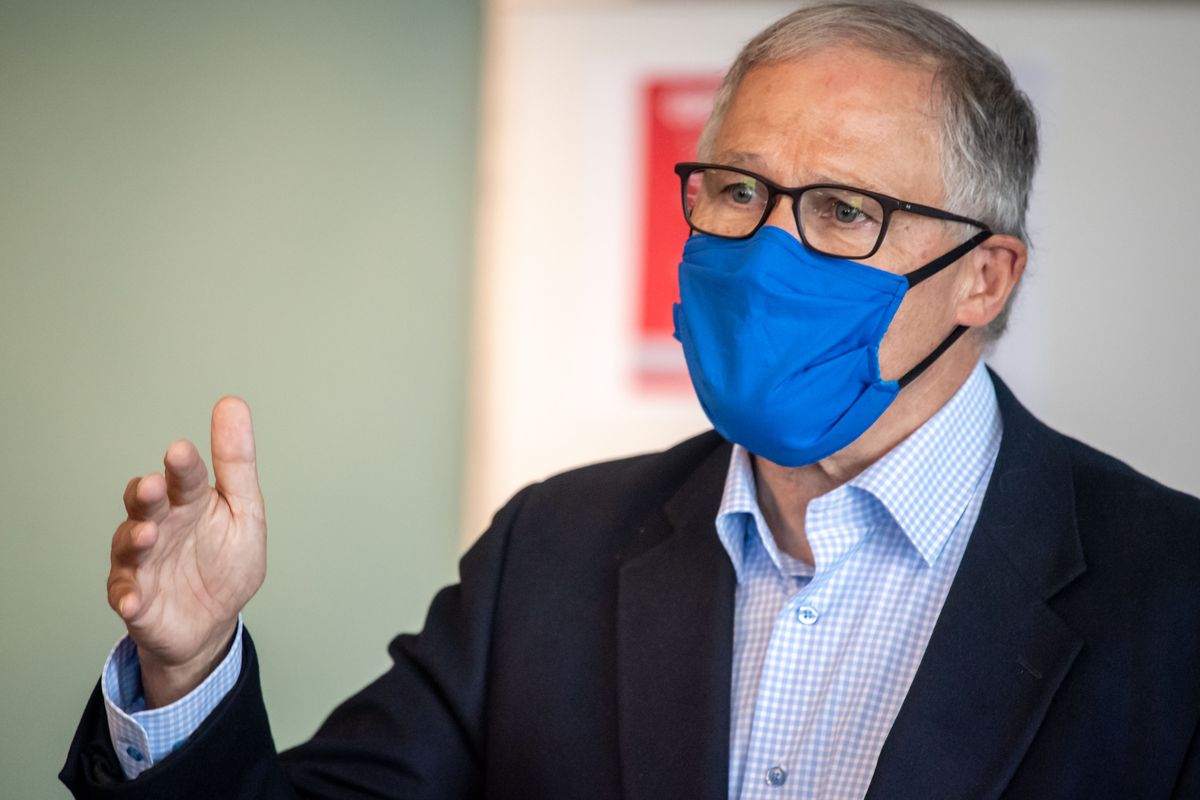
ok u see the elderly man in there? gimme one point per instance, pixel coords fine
(879, 577)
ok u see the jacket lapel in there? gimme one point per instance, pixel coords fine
(674, 647)
(998, 653)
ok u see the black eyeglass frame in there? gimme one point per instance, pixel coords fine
(890, 205)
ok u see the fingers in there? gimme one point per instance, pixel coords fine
(187, 477)
(146, 498)
(233, 454)
(131, 542)
(123, 596)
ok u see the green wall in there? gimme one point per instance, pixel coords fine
(271, 199)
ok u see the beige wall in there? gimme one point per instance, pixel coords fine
(271, 199)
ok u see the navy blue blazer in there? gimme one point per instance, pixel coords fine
(586, 653)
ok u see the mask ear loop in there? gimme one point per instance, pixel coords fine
(941, 262)
(928, 271)
(916, 371)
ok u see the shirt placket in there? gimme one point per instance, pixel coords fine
(786, 706)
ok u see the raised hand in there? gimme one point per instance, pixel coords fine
(190, 556)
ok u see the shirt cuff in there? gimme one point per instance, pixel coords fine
(142, 738)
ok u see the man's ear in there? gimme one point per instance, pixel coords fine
(993, 271)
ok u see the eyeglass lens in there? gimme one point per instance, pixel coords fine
(835, 220)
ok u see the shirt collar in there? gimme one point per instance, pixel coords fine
(738, 511)
(924, 484)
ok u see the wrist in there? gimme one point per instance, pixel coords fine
(164, 682)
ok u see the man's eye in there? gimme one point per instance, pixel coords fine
(742, 193)
(846, 213)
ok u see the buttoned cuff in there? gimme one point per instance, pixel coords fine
(142, 738)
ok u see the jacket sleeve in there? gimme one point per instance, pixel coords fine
(416, 732)
(1188, 783)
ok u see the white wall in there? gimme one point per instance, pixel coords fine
(1102, 341)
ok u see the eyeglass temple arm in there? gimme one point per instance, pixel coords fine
(936, 213)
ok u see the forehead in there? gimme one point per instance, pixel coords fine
(840, 114)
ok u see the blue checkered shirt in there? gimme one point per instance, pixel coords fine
(822, 656)
(143, 737)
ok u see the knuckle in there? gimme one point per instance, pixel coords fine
(123, 540)
(130, 494)
(118, 538)
(114, 591)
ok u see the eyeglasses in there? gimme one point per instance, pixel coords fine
(836, 220)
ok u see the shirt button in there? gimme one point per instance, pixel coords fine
(807, 615)
(776, 776)
(134, 753)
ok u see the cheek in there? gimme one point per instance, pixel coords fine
(897, 342)
(927, 314)
(924, 318)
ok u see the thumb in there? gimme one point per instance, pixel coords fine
(233, 456)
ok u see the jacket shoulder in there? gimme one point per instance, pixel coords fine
(1135, 531)
(634, 484)
(573, 522)
(1108, 493)
(1120, 492)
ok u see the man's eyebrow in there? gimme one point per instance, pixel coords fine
(756, 163)
(738, 158)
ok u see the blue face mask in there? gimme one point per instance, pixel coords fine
(782, 343)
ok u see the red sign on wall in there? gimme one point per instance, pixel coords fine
(674, 110)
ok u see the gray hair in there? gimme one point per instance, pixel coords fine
(989, 135)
